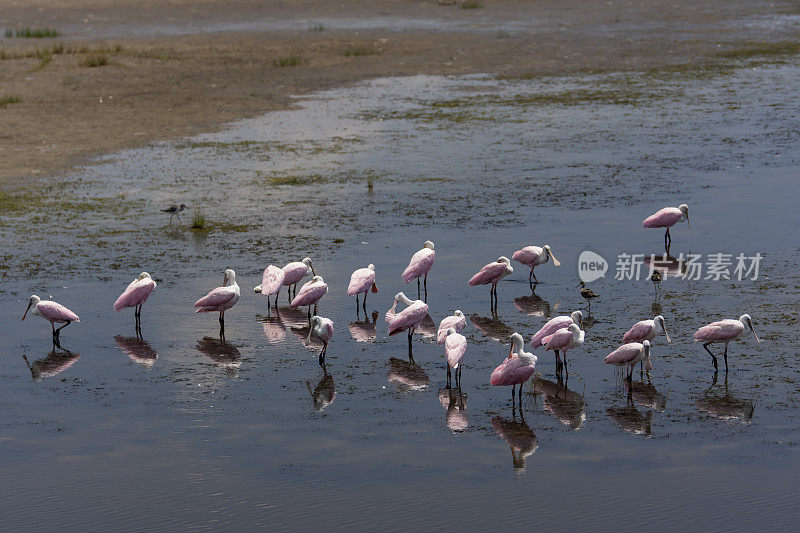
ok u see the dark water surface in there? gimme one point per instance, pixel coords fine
(191, 432)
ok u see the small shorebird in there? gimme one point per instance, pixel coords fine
(656, 278)
(175, 210)
(588, 294)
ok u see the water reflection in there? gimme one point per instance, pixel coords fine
(291, 317)
(274, 329)
(407, 375)
(668, 265)
(323, 393)
(491, 327)
(427, 328)
(718, 401)
(631, 419)
(564, 404)
(221, 352)
(455, 402)
(519, 437)
(533, 305)
(137, 349)
(646, 395)
(364, 331)
(56, 362)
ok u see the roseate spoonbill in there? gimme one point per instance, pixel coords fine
(516, 369)
(53, 312)
(321, 328)
(271, 283)
(310, 294)
(723, 331)
(647, 330)
(362, 281)
(420, 264)
(666, 218)
(587, 294)
(555, 324)
(135, 295)
(455, 346)
(564, 339)
(220, 299)
(656, 277)
(408, 318)
(294, 272)
(457, 321)
(175, 210)
(55, 363)
(323, 393)
(533, 256)
(137, 349)
(491, 274)
(628, 355)
(520, 439)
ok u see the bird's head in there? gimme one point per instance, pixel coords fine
(685, 210)
(428, 244)
(32, 302)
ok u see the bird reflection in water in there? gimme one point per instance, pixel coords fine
(407, 375)
(721, 404)
(564, 404)
(56, 362)
(427, 328)
(323, 393)
(491, 327)
(274, 329)
(533, 305)
(291, 317)
(631, 419)
(221, 352)
(364, 331)
(455, 402)
(137, 349)
(667, 266)
(519, 437)
(646, 395)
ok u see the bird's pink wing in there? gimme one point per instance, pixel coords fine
(420, 264)
(624, 354)
(136, 294)
(272, 280)
(410, 316)
(663, 218)
(217, 297)
(55, 311)
(487, 274)
(552, 325)
(309, 294)
(719, 331)
(511, 372)
(638, 332)
(294, 272)
(527, 255)
(558, 340)
(455, 346)
(446, 323)
(360, 281)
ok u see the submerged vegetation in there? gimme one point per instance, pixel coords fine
(6, 100)
(95, 60)
(318, 27)
(353, 52)
(289, 61)
(762, 50)
(470, 4)
(198, 220)
(32, 33)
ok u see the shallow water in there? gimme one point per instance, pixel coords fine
(244, 432)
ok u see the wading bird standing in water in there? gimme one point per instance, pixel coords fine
(562, 340)
(518, 368)
(455, 346)
(630, 354)
(271, 283)
(175, 210)
(408, 318)
(723, 331)
(294, 272)
(135, 295)
(534, 256)
(53, 312)
(419, 266)
(553, 325)
(321, 328)
(492, 274)
(656, 278)
(457, 321)
(666, 218)
(220, 299)
(362, 281)
(310, 294)
(587, 294)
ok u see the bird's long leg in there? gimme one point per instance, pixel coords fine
(425, 284)
(726, 357)
(357, 309)
(558, 362)
(53, 326)
(713, 357)
(448, 375)
(419, 291)
(566, 370)
(309, 316)
(530, 279)
(315, 309)
(179, 219)
(534, 276)
(458, 378)
(364, 304)
(513, 396)
(410, 354)
(519, 392)
(58, 333)
(322, 354)
(222, 325)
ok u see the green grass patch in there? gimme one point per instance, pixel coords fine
(471, 5)
(96, 60)
(289, 61)
(199, 220)
(317, 27)
(32, 33)
(6, 100)
(355, 52)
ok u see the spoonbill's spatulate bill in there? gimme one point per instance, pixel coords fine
(220, 299)
(135, 295)
(455, 346)
(562, 340)
(723, 331)
(53, 312)
(407, 319)
(628, 355)
(533, 256)
(491, 274)
(321, 328)
(362, 281)
(518, 367)
(666, 218)
(457, 321)
(419, 266)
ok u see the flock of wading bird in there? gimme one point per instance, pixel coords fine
(560, 334)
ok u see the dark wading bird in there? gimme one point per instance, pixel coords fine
(587, 294)
(175, 210)
(656, 278)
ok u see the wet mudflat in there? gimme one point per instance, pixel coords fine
(183, 430)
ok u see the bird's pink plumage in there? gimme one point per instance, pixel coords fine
(641, 331)
(135, 294)
(310, 293)
(219, 299)
(361, 281)
(408, 317)
(294, 272)
(512, 372)
(455, 346)
(272, 280)
(528, 255)
(55, 312)
(558, 340)
(553, 325)
(624, 354)
(488, 274)
(724, 330)
(663, 218)
(452, 321)
(420, 264)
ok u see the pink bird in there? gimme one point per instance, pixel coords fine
(555, 324)
(271, 283)
(630, 354)
(420, 264)
(455, 346)
(723, 331)
(362, 281)
(135, 295)
(294, 272)
(647, 330)
(492, 274)
(666, 218)
(516, 369)
(534, 256)
(407, 319)
(310, 294)
(564, 339)
(53, 312)
(321, 328)
(220, 299)
(457, 321)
